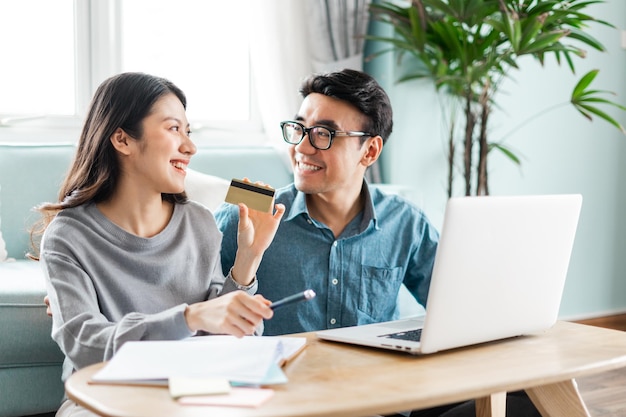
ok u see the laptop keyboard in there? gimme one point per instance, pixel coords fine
(414, 335)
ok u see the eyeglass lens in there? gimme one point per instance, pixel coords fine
(320, 137)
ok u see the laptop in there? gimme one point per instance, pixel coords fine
(499, 272)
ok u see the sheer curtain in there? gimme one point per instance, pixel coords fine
(336, 31)
(292, 39)
(280, 60)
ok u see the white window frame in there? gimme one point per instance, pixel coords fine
(98, 56)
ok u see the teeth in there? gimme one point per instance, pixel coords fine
(307, 167)
(179, 165)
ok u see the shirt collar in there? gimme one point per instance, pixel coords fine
(369, 213)
(298, 206)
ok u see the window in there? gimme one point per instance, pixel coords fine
(37, 72)
(62, 50)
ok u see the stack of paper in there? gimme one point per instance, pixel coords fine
(253, 360)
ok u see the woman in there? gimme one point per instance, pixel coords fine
(126, 255)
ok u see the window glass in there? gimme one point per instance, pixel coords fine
(200, 45)
(38, 67)
(55, 54)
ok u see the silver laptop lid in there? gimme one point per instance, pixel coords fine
(500, 268)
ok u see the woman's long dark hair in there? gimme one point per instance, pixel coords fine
(122, 101)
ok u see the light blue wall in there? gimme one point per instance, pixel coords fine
(562, 153)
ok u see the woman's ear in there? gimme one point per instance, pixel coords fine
(120, 141)
(374, 147)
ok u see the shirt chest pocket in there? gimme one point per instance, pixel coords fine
(378, 291)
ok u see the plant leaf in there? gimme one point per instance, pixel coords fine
(587, 110)
(506, 151)
(584, 83)
(542, 42)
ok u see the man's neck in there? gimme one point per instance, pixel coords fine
(335, 210)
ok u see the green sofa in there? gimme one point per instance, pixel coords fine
(30, 361)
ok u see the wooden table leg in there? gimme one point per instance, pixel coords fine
(492, 406)
(561, 399)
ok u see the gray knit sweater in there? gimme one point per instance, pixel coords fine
(108, 286)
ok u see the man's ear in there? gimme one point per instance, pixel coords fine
(374, 147)
(120, 141)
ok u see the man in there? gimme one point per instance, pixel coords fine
(349, 242)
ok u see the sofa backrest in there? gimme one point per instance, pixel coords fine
(29, 176)
(32, 174)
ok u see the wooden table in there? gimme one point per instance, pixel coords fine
(332, 379)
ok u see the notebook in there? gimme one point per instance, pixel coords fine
(499, 272)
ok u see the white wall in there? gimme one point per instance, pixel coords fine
(562, 153)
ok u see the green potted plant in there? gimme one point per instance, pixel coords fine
(468, 47)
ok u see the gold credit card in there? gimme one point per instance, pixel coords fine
(256, 197)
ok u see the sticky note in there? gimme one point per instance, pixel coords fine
(185, 386)
(256, 197)
(238, 397)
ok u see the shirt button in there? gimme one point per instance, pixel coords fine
(335, 243)
(333, 321)
(309, 221)
(335, 281)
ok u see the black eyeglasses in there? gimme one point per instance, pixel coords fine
(320, 137)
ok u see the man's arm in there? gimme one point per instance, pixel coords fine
(417, 279)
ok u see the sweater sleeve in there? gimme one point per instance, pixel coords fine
(82, 332)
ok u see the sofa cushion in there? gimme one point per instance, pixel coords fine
(30, 362)
(30, 390)
(208, 190)
(25, 326)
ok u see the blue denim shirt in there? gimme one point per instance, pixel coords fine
(356, 276)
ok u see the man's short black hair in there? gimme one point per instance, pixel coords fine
(360, 90)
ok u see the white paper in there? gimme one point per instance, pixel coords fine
(287, 348)
(249, 360)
